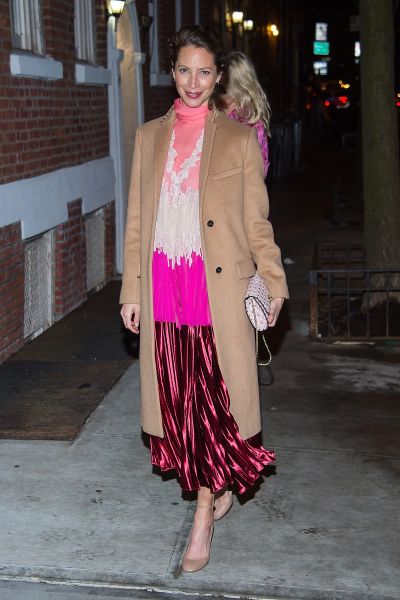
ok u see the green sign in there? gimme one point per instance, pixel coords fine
(321, 48)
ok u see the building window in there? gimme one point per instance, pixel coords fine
(167, 18)
(85, 31)
(27, 29)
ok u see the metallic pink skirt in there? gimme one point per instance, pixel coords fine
(201, 438)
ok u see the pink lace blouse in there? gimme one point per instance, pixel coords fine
(179, 282)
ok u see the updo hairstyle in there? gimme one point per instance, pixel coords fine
(201, 37)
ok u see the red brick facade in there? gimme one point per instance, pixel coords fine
(70, 261)
(46, 125)
(11, 289)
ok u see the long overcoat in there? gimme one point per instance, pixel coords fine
(236, 236)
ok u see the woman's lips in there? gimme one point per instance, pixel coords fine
(193, 95)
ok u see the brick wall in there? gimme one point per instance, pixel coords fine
(188, 13)
(70, 261)
(11, 290)
(46, 125)
(166, 29)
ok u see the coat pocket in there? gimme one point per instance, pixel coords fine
(227, 173)
(245, 268)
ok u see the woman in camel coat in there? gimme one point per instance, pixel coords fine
(235, 236)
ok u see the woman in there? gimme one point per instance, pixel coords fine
(245, 100)
(196, 226)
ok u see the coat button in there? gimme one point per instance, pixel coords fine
(218, 269)
(210, 223)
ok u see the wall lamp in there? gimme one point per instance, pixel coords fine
(115, 8)
(248, 25)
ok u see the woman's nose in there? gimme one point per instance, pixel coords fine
(193, 80)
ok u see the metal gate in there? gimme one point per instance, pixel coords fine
(38, 306)
(95, 269)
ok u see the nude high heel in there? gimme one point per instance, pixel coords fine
(221, 512)
(190, 565)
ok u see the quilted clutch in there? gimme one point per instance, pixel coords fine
(258, 303)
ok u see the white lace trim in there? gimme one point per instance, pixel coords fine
(178, 229)
(172, 181)
(178, 233)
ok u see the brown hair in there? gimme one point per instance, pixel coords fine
(201, 37)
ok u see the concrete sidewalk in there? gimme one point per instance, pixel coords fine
(323, 526)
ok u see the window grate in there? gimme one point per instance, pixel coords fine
(38, 285)
(95, 243)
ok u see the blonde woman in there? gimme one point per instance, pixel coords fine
(245, 100)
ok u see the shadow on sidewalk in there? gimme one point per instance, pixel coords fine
(50, 387)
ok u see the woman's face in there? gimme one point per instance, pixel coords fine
(195, 74)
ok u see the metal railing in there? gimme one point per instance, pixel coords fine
(348, 301)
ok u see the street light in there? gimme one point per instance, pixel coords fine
(248, 25)
(237, 17)
(273, 30)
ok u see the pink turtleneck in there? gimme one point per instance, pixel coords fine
(188, 127)
(179, 284)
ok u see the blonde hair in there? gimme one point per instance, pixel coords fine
(242, 85)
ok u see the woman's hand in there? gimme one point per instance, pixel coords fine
(130, 314)
(276, 305)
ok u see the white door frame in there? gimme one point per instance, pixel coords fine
(114, 57)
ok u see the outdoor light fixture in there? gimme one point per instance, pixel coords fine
(237, 17)
(248, 25)
(228, 20)
(273, 30)
(115, 7)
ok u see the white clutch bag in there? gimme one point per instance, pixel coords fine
(258, 304)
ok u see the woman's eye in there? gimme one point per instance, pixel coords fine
(182, 70)
(205, 72)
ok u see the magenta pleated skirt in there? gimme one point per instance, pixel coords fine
(201, 440)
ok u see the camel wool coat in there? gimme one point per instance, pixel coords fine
(236, 236)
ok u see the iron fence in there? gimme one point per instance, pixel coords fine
(348, 301)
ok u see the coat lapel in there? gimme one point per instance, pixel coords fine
(162, 139)
(209, 133)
